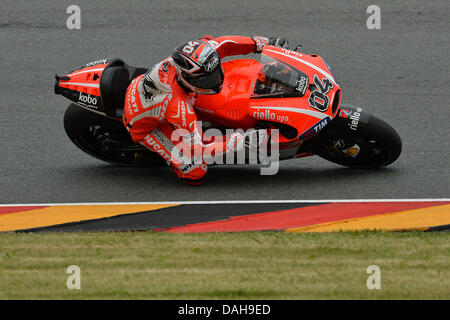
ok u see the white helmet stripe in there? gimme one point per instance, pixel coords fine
(193, 69)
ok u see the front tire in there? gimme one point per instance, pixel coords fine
(375, 144)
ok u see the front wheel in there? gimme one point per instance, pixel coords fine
(367, 143)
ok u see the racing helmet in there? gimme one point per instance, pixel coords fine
(198, 66)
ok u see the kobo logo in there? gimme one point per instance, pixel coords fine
(87, 99)
(302, 83)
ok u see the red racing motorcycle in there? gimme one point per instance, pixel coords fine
(293, 92)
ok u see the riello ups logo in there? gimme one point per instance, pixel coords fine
(354, 116)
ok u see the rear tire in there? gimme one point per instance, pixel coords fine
(105, 139)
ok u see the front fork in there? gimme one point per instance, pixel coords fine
(349, 122)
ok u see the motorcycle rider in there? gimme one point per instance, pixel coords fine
(161, 101)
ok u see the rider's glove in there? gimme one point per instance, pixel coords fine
(234, 143)
(256, 138)
(260, 43)
(279, 42)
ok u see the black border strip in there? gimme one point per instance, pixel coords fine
(175, 216)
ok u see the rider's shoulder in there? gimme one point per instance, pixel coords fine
(159, 75)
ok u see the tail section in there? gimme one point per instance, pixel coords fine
(99, 86)
(82, 85)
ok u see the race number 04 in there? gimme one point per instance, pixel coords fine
(189, 48)
(318, 98)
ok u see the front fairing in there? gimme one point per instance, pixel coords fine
(296, 90)
(277, 89)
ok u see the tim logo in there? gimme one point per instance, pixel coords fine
(314, 129)
(320, 125)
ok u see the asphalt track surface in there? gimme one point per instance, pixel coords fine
(399, 73)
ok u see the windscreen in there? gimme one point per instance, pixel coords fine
(278, 79)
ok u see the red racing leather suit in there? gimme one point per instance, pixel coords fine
(156, 105)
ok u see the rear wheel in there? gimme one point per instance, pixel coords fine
(374, 145)
(105, 139)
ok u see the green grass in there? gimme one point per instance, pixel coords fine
(263, 265)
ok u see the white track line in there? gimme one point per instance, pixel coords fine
(222, 202)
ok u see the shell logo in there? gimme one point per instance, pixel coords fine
(352, 152)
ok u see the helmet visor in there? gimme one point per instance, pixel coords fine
(206, 81)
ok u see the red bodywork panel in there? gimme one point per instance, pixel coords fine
(236, 106)
(83, 85)
(86, 80)
(229, 108)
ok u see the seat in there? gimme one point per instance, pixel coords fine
(115, 79)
